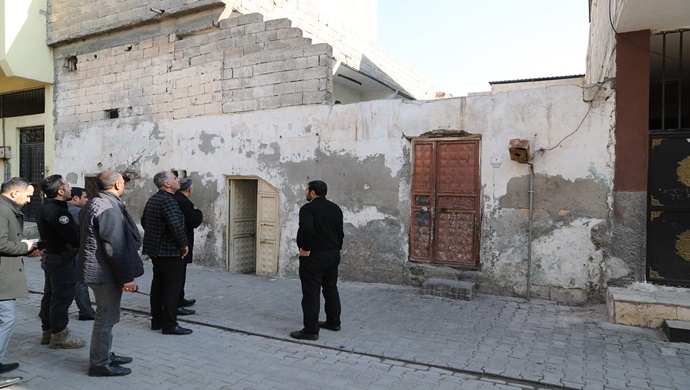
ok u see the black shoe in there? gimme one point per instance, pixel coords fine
(156, 325)
(181, 311)
(178, 330)
(326, 325)
(302, 335)
(9, 381)
(119, 360)
(187, 302)
(8, 367)
(109, 370)
(86, 317)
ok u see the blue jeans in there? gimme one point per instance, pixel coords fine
(108, 297)
(8, 319)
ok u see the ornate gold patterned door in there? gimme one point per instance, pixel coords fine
(668, 209)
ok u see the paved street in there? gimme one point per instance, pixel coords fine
(392, 338)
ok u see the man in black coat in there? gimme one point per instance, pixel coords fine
(108, 263)
(320, 239)
(59, 238)
(192, 219)
(165, 241)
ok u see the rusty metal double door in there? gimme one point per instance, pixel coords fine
(445, 221)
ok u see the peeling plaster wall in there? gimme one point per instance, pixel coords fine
(363, 152)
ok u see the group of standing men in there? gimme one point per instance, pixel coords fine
(99, 248)
(103, 253)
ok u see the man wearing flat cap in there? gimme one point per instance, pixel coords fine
(192, 220)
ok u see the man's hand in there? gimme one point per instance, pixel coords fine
(304, 253)
(35, 253)
(130, 287)
(30, 245)
(185, 251)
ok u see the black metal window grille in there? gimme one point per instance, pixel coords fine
(22, 103)
(669, 91)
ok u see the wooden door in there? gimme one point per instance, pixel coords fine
(445, 222)
(242, 226)
(267, 231)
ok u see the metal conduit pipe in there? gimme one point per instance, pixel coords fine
(529, 230)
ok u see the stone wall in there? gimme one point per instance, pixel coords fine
(244, 64)
(350, 29)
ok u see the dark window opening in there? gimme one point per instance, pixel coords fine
(90, 186)
(71, 63)
(23, 103)
(112, 114)
(669, 89)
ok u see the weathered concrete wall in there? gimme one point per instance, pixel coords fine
(627, 258)
(363, 152)
(601, 53)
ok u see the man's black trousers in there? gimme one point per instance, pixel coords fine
(58, 291)
(316, 272)
(165, 290)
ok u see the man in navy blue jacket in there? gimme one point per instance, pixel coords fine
(165, 241)
(108, 263)
(60, 238)
(320, 239)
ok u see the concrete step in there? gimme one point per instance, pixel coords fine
(454, 289)
(648, 305)
(676, 331)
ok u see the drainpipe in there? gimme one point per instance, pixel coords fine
(529, 230)
(519, 150)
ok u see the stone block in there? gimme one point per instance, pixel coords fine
(288, 33)
(255, 27)
(317, 97)
(316, 73)
(292, 75)
(249, 18)
(230, 22)
(250, 105)
(278, 24)
(267, 79)
(212, 109)
(319, 48)
(267, 36)
(449, 289)
(307, 85)
(263, 91)
(269, 102)
(232, 106)
(293, 99)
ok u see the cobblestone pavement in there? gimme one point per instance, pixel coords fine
(392, 338)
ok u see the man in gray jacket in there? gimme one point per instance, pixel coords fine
(108, 263)
(15, 193)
